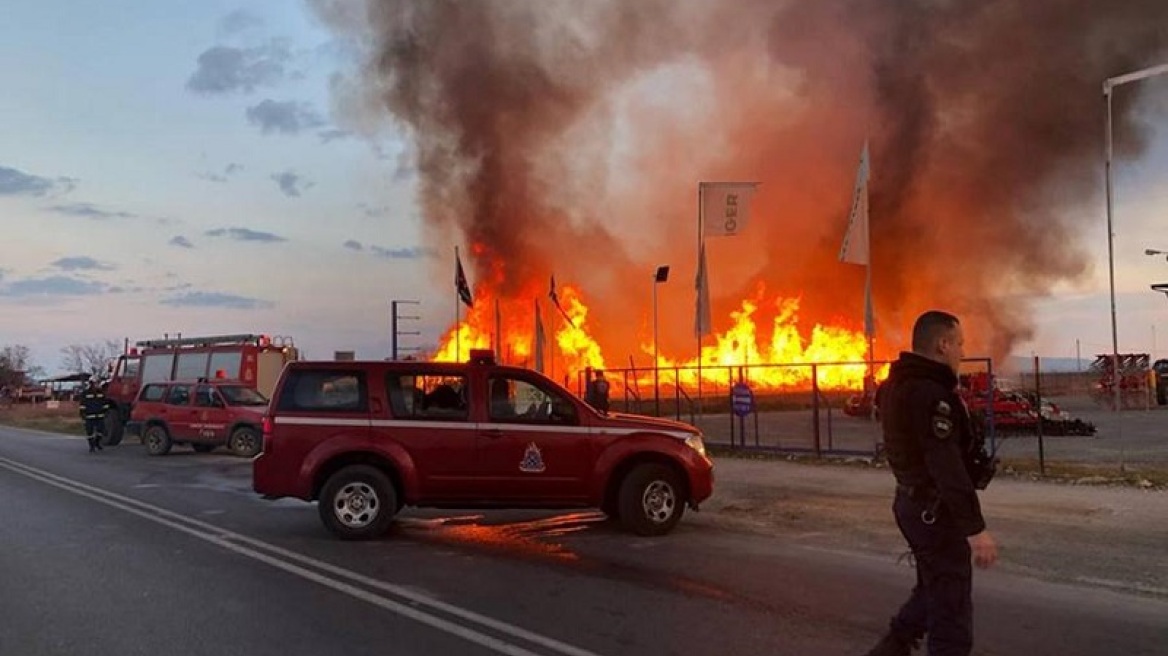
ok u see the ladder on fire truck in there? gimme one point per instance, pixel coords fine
(244, 339)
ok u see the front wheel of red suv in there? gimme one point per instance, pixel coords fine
(157, 440)
(652, 499)
(358, 503)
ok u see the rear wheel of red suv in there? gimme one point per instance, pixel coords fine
(652, 499)
(358, 502)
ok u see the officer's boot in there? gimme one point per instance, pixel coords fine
(92, 446)
(97, 441)
(892, 645)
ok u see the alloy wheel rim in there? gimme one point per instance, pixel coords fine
(356, 505)
(659, 502)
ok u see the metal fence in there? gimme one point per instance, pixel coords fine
(824, 409)
(796, 408)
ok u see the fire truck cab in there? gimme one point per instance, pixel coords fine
(251, 359)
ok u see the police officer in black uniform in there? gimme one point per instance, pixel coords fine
(93, 407)
(939, 463)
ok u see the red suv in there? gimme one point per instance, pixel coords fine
(367, 438)
(205, 414)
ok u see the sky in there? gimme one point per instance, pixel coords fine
(186, 168)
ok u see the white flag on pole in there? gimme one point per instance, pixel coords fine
(702, 320)
(855, 247)
(725, 207)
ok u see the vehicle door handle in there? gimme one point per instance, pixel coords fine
(493, 433)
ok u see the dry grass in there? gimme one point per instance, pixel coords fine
(63, 419)
(1140, 475)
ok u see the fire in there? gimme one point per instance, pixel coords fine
(774, 357)
(569, 347)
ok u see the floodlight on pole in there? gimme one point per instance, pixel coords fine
(1109, 84)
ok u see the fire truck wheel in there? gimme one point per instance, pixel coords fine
(114, 429)
(245, 442)
(157, 440)
(357, 503)
(652, 499)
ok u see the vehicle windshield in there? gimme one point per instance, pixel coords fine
(240, 395)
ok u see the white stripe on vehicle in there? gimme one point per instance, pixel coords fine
(478, 426)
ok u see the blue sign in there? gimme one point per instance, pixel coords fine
(741, 399)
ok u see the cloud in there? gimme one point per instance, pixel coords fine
(181, 242)
(216, 300)
(412, 253)
(244, 234)
(238, 21)
(82, 263)
(223, 69)
(89, 211)
(333, 134)
(14, 182)
(372, 212)
(291, 184)
(287, 117)
(52, 286)
(228, 172)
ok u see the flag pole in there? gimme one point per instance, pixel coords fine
(701, 226)
(869, 319)
(869, 313)
(457, 312)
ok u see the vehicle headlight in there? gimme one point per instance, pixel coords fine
(695, 442)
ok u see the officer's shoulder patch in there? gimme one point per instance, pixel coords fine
(942, 426)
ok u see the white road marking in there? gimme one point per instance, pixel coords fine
(298, 564)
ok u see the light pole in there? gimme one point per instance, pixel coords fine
(1109, 84)
(661, 276)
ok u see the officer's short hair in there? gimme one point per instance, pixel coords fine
(930, 327)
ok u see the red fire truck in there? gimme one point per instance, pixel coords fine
(254, 360)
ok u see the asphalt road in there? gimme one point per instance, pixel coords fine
(121, 554)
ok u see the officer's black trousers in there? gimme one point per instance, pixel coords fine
(941, 605)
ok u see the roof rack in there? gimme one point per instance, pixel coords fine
(212, 340)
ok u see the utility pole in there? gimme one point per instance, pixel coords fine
(395, 332)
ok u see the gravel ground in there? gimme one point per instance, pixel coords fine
(1099, 535)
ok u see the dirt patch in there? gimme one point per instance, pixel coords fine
(1055, 531)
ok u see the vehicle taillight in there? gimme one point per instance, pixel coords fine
(266, 425)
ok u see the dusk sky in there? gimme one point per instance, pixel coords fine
(184, 167)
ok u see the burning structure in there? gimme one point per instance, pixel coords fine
(568, 138)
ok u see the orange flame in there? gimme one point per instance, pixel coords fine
(782, 361)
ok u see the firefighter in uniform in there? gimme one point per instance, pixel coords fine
(93, 407)
(940, 463)
(601, 385)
